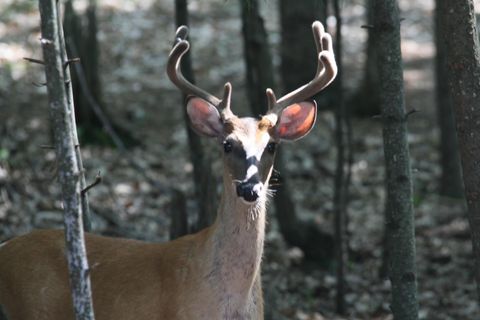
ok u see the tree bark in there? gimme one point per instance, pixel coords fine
(69, 174)
(81, 39)
(366, 101)
(257, 57)
(297, 49)
(463, 64)
(205, 183)
(86, 216)
(451, 183)
(178, 215)
(399, 213)
(316, 245)
(340, 183)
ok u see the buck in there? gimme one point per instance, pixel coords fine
(213, 274)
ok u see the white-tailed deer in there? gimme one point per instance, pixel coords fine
(213, 274)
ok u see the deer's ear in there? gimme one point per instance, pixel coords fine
(296, 120)
(204, 117)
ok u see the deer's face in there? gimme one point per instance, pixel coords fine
(249, 144)
(248, 154)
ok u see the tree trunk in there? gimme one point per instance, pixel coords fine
(178, 215)
(317, 245)
(340, 194)
(81, 41)
(68, 171)
(257, 57)
(87, 219)
(366, 101)
(297, 49)
(399, 213)
(76, 34)
(205, 183)
(451, 183)
(463, 65)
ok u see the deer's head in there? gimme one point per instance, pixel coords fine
(249, 144)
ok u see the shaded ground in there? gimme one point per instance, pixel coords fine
(135, 39)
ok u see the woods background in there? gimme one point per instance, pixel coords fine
(148, 161)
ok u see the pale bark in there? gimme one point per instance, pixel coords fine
(68, 172)
(87, 219)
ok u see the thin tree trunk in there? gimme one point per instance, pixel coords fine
(339, 201)
(451, 183)
(87, 219)
(69, 175)
(257, 57)
(80, 38)
(297, 49)
(178, 215)
(366, 101)
(316, 245)
(399, 215)
(463, 63)
(205, 183)
(92, 55)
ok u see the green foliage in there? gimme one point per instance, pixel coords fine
(4, 154)
(418, 199)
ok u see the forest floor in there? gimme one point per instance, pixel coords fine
(135, 37)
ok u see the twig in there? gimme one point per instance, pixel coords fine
(410, 112)
(91, 101)
(34, 60)
(98, 180)
(367, 26)
(69, 61)
(117, 141)
(46, 146)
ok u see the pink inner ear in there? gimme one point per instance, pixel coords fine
(297, 120)
(204, 117)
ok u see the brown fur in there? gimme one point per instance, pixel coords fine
(213, 274)
(131, 280)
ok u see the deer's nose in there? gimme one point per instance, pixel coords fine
(249, 191)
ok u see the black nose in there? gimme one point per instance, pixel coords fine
(245, 190)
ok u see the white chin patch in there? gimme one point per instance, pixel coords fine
(258, 188)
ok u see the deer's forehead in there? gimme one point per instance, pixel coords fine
(253, 134)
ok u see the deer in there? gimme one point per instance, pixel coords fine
(212, 274)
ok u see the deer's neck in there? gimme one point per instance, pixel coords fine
(237, 242)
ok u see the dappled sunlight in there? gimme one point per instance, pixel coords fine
(12, 54)
(135, 38)
(412, 50)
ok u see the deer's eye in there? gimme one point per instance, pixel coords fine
(227, 146)
(271, 147)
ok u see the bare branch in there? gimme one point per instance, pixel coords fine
(34, 60)
(98, 180)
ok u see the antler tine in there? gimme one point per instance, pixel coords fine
(225, 103)
(174, 72)
(326, 72)
(181, 34)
